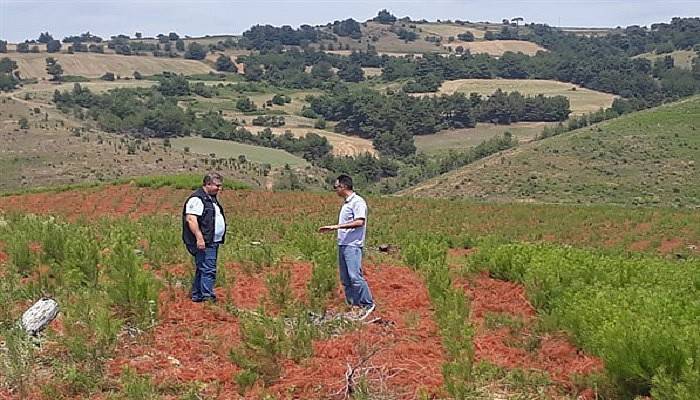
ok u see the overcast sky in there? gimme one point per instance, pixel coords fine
(24, 19)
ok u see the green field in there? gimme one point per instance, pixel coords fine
(460, 139)
(646, 158)
(229, 149)
(582, 100)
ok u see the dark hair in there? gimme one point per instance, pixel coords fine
(212, 176)
(345, 180)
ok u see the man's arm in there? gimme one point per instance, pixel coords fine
(194, 228)
(356, 223)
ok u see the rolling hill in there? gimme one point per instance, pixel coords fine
(646, 158)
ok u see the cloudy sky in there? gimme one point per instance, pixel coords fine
(24, 19)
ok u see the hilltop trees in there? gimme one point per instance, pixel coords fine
(54, 69)
(45, 37)
(3, 46)
(23, 47)
(86, 37)
(384, 17)
(195, 51)
(53, 46)
(180, 45)
(266, 37)
(348, 27)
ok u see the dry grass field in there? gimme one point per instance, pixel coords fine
(498, 47)
(460, 139)
(447, 30)
(90, 65)
(582, 100)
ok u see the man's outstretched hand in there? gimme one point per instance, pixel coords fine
(327, 228)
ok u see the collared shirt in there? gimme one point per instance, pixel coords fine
(353, 208)
(195, 206)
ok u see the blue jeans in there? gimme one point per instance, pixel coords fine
(350, 267)
(205, 272)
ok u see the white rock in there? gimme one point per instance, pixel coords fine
(38, 316)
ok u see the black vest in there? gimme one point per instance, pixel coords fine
(207, 220)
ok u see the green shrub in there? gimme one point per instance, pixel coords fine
(135, 387)
(637, 313)
(278, 287)
(17, 360)
(132, 290)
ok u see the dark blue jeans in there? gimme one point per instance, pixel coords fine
(357, 291)
(205, 272)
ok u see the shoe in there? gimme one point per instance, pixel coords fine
(360, 313)
(366, 311)
(197, 300)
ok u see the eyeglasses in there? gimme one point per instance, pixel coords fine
(336, 187)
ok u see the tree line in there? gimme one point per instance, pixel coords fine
(392, 120)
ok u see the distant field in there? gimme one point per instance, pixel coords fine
(447, 30)
(229, 149)
(681, 58)
(460, 139)
(582, 100)
(370, 72)
(95, 65)
(498, 47)
(342, 144)
(588, 31)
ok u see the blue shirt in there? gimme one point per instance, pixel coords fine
(353, 208)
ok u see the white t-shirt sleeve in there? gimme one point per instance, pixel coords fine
(359, 210)
(194, 206)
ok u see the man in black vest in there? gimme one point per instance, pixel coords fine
(203, 230)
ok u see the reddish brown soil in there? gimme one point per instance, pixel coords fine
(553, 353)
(668, 246)
(132, 201)
(460, 252)
(192, 341)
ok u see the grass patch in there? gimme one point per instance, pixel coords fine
(187, 181)
(230, 149)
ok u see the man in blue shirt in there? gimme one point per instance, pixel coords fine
(352, 223)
